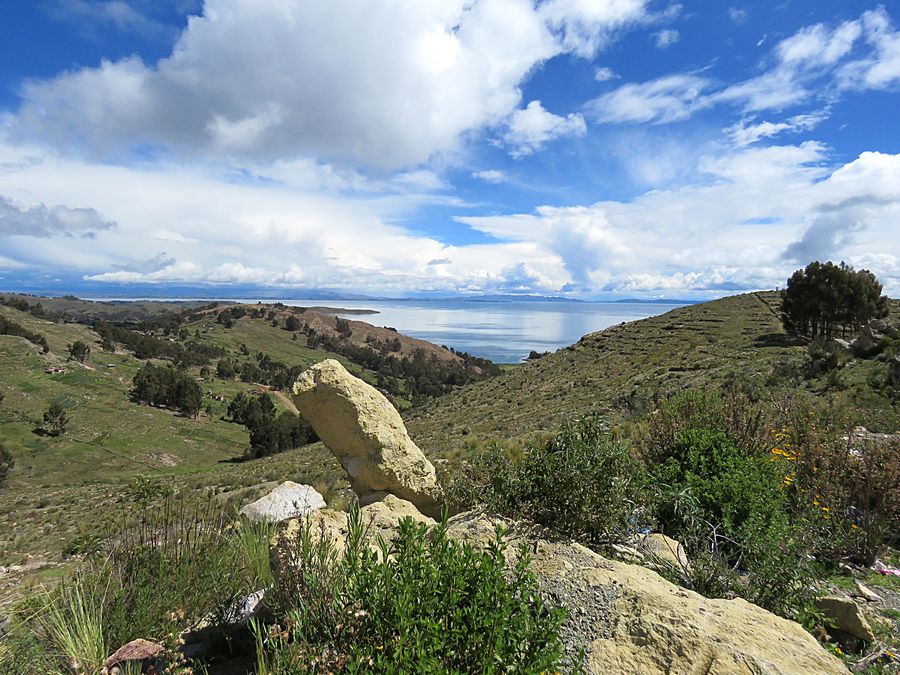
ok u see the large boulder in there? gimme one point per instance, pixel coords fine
(366, 434)
(624, 618)
(629, 619)
(380, 521)
(288, 500)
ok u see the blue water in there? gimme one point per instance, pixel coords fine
(502, 331)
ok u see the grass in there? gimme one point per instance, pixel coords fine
(82, 475)
(68, 487)
(74, 623)
(623, 370)
(171, 566)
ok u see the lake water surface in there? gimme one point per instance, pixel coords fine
(503, 331)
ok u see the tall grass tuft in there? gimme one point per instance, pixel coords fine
(72, 617)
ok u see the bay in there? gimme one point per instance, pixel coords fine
(504, 331)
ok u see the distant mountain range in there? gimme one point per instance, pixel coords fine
(186, 292)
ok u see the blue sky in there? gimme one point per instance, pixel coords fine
(590, 148)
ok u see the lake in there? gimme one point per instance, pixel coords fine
(502, 331)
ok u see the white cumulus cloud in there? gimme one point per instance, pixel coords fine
(533, 126)
(383, 84)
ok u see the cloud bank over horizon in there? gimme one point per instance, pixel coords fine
(497, 146)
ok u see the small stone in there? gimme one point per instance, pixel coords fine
(143, 651)
(866, 593)
(846, 617)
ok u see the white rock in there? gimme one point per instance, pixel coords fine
(288, 500)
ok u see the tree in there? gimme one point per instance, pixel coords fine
(292, 323)
(79, 351)
(6, 463)
(824, 298)
(167, 387)
(342, 326)
(55, 420)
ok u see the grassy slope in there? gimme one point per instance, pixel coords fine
(71, 485)
(738, 338)
(110, 440)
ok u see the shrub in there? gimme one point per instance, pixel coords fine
(732, 491)
(425, 603)
(55, 420)
(6, 463)
(825, 356)
(582, 483)
(845, 484)
(721, 491)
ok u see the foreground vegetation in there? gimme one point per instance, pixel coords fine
(760, 470)
(765, 497)
(424, 603)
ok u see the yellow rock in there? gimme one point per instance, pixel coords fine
(367, 436)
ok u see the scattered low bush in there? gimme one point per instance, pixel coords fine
(424, 604)
(582, 483)
(719, 489)
(846, 484)
(825, 356)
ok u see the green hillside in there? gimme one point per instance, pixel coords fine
(622, 370)
(68, 488)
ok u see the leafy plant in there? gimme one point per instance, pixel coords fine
(583, 482)
(425, 603)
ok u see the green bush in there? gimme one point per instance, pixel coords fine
(720, 490)
(825, 356)
(732, 490)
(582, 483)
(425, 603)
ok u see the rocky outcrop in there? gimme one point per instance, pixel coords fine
(625, 618)
(380, 520)
(288, 500)
(629, 619)
(366, 434)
